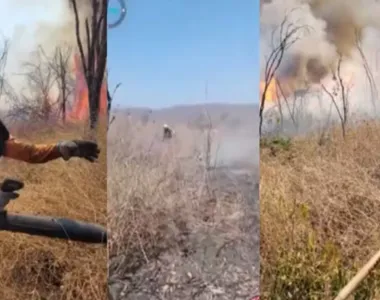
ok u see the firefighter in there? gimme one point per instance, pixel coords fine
(168, 132)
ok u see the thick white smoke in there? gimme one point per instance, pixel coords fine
(335, 28)
(27, 25)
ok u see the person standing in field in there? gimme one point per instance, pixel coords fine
(168, 132)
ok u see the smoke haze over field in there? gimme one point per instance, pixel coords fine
(333, 28)
(28, 25)
(234, 136)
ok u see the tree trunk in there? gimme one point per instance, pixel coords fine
(63, 102)
(94, 100)
(109, 103)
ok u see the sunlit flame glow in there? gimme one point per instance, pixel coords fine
(286, 87)
(271, 92)
(80, 107)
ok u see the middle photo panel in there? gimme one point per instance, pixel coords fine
(183, 151)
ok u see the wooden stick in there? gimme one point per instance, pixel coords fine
(358, 278)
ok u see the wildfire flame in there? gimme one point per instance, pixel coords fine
(80, 108)
(271, 93)
(276, 90)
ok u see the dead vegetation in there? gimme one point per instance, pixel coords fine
(42, 268)
(319, 213)
(176, 232)
(319, 193)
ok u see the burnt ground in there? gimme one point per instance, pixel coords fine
(211, 263)
(211, 267)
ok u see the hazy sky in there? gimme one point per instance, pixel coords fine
(166, 51)
(19, 20)
(15, 13)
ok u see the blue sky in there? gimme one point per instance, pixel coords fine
(166, 51)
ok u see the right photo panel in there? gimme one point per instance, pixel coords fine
(319, 159)
(183, 150)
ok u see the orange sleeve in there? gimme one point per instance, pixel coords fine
(31, 153)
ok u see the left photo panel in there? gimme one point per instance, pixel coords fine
(53, 131)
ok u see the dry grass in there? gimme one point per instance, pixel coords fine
(320, 214)
(168, 222)
(42, 268)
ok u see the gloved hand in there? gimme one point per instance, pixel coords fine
(83, 149)
(5, 197)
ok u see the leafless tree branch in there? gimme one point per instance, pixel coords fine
(343, 91)
(369, 74)
(287, 35)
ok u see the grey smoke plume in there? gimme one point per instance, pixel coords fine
(335, 29)
(30, 24)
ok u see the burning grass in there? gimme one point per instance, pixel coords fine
(174, 234)
(320, 214)
(42, 268)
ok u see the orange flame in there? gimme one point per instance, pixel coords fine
(287, 86)
(271, 93)
(80, 109)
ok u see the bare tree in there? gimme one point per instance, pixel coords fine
(368, 72)
(208, 146)
(3, 61)
(93, 51)
(35, 101)
(110, 97)
(286, 34)
(42, 74)
(340, 89)
(4, 48)
(60, 64)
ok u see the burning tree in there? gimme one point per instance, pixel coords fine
(93, 51)
(287, 33)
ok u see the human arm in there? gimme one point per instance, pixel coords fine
(31, 153)
(42, 153)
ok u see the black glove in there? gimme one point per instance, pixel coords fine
(6, 197)
(83, 149)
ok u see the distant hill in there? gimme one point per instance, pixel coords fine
(229, 114)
